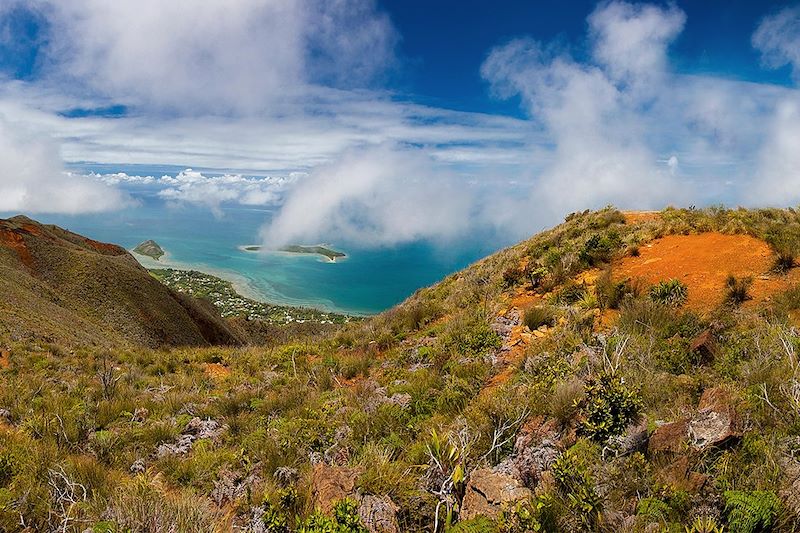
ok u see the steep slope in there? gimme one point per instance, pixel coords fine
(567, 383)
(61, 287)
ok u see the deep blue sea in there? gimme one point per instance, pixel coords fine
(368, 281)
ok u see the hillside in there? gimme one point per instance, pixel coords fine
(619, 372)
(66, 289)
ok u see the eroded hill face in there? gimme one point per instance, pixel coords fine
(61, 287)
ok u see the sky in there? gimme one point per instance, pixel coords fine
(395, 121)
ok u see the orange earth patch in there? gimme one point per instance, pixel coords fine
(703, 262)
(216, 370)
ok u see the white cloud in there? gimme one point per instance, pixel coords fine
(212, 57)
(630, 40)
(375, 196)
(32, 179)
(193, 187)
(778, 176)
(594, 113)
(778, 39)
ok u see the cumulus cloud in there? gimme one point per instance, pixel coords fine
(32, 179)
(376, 196)
(631, 40)
(594, 113)
(192, 187)
(213, 57)
(778, 176)
(778, 39)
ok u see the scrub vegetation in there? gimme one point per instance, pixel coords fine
(536, 390)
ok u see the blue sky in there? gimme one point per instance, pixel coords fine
(398, 120)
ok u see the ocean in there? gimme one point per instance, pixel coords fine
(367, 281)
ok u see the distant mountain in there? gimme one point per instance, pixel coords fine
(61, 287)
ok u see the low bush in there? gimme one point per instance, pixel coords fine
(737, 289)
(608, 407)
(671, 292)
(538, 316)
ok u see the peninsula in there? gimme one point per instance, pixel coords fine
(150, 248)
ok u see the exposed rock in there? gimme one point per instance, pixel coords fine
(634, 439)
(716, 422)
(194, 430)
(669, 438)
(330, 484)
(137, 467)
(504, 323)
(5, 415)
(203, 429)
(286, 475)
(378, 514)
(488, 491)
(704, 345)
(680, 476)
(537, 447)
(400, 399)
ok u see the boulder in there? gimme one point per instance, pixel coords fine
(669, 438)
(634, 439)
(716, 422)
(378, 514)
(704, 345)
(489, 491)
(680, 477)
(330, 484)
(537, 447)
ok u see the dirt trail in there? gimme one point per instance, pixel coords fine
(703, 262)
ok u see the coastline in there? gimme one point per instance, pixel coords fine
(241, 284)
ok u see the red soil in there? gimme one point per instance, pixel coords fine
(14, 240)
(703, 262)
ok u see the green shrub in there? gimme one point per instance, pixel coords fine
(479, 524)
(672, 292)
(570, 293)
(737, 289)
(608, 407)
(748, 512)
(538, 316)
(344, 519)
(611, 294)
(573, 479)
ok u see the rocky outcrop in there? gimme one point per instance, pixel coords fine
(537, 447)
(716, 422)
(330, 484)
(671, 437)
(704, 346)
(378, 514)
(489, 491)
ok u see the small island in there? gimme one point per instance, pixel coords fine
(150, 248)
(332, 255)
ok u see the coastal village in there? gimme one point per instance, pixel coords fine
(230, 303)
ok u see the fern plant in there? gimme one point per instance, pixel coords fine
(749, 512)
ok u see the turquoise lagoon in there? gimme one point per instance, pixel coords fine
(367, 281)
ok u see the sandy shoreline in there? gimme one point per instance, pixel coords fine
(240, 284)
